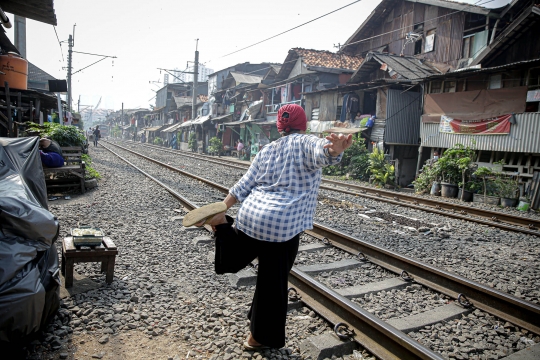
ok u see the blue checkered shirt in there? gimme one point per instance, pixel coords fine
(279, 191)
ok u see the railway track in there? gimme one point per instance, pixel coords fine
(377, 336)
(496, 219)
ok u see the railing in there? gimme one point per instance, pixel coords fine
(273, 108)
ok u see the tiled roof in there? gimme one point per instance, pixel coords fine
(328, 59)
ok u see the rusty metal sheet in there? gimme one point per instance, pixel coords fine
(403, 113)
(442, 40)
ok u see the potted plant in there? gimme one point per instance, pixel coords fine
(456, 165)
(467, 191)
(508, 190)
(489, 188)
(192, 142)
(451, 175)
(216, 146)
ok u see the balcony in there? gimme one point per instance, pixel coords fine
(273, 108)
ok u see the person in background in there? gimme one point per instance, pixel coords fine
(433, 160)
(278, 197)
(97, 135)
(248, 151)
(143, 138)
(50, 153)
(240, 148)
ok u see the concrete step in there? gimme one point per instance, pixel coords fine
(361, 290)
(418, 321)
(530, 353)
(335, 266)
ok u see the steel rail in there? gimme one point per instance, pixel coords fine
(458, 211)
(508, 307)
(377, 336)
(515, 310)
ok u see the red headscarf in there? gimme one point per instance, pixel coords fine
(297, 119)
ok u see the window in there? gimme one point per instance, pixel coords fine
(436, 87)
(495, 81)
(449, 86)
(430, 41)
(467, 47)
(418, 29)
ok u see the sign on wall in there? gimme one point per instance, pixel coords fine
(493, 126)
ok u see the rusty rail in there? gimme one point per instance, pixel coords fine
(458, 211)
(520, 312)
(378, 337)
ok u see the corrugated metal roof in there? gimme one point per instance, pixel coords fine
(524, 137)
(201, 120)
(245, 79)
(39, 10)
(186, 124)
(403, 113)
(219, 118)
(171, 128)
(405, 67)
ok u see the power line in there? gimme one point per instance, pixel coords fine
(291, 29)
(59, 43)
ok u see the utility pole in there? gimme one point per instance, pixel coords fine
(195, 81)
(70, 55)
(122, 118)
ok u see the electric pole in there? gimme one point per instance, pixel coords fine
(70, 54)
(195, 81)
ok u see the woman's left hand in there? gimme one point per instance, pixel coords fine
(338, 143)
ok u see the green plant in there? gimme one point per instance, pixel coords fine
(158, 141)
(430, 173)
(506, 187)
(90, 172)
(484, 172)
(355, 162)
(192, 142)
(382, 172)
(63, 135)
(216, 146)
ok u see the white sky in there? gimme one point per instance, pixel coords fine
(146, 35)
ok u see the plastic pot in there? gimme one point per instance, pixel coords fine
(507, 202)
(435, 189)
(523, 206)
(449, 190)
(467, 197)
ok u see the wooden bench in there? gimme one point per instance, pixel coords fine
(73, 165)
(71, 254)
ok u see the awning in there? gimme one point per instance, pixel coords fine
(235, 123)
(173, 128)
(222, 117)
(153, 128)
(201, 120)
(264, 122)
(186, 124)
(345, 130)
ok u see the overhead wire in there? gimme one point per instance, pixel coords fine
(59, 43)
(289, 30)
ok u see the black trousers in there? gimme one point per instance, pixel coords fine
(268, 313)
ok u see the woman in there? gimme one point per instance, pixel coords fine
(278, 195)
